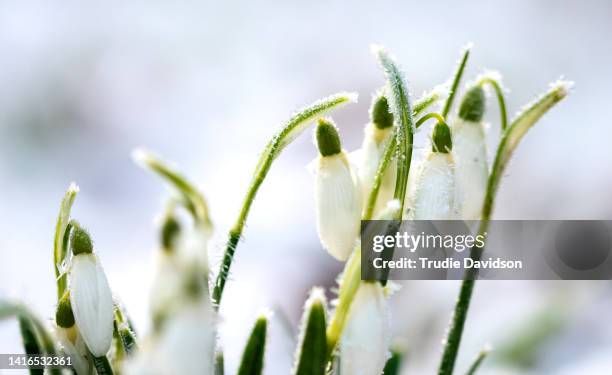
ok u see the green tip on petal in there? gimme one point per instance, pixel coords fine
(328, 140)
(380, 115)
(169, 233)
(64, 316)
(441, 138)
(472, 104)
(80, 241)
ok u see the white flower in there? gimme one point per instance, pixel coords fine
(378, 133)
(92, 303)
(72, 344)
(470, 154)
(365, 339)
(338, 197)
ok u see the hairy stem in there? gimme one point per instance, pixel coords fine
(287, 133)
(507, 145)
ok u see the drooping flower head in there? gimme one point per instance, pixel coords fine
(338, 199)
(90, 294)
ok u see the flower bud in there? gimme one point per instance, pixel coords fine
(338, 199)
(380, 114)
(472, 105)
(90, 295)
(63, 314)
(441, 138)
(80, 241)
(470, 154)
(169, 233)
(365, 339)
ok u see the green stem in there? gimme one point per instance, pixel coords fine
(193, 200)
(289, 131)
(477, 362)
(384, 162)
(500, 99)
(428, 116)
(457, 78)
(507, 145)
(350, 280)
(60, 243)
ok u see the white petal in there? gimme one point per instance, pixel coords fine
(77, 350)
(338, 201)
(434, 190)
(365, 340)
(470, 154)
(92, 303)
(187, 345)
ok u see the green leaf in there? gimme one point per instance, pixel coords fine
(456, 79)
(287, 133)
(193, 200)
(311, 358)
(60, 243)
(399, 101)
(44, 339)
(515, 132)
(253, 356)
(30, 341)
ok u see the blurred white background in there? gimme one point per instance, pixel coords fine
(205, 84)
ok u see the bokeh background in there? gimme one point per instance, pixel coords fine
(205, 84)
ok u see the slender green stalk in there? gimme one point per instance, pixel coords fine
(456, 79)
(428, 116)
(193, 200)
(478, 361)
(404, 123)
(350, 280)
(510, 140)
(500, 99)
(285, 135)
(60, 240)
(252, 361)
(102, 365)
(384, 162)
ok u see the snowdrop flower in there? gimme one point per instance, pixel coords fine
(182, 251)
(90, 294)
(69, 337)
(377, 135)
(338, 197)
(433, 191)
(365, 340)
(470, 153)
(185, 344)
